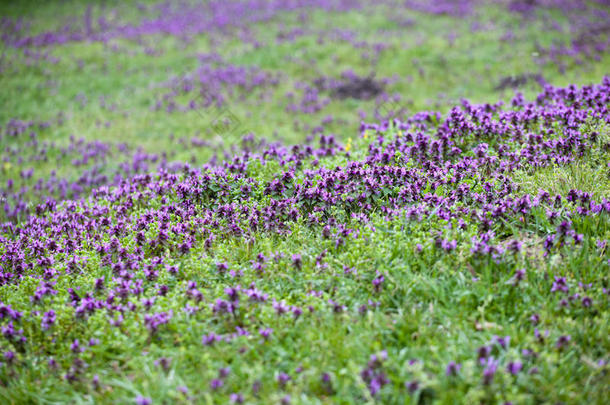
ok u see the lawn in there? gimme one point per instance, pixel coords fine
(305, 202)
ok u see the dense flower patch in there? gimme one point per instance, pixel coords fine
(147, 261)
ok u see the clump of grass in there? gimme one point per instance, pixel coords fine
(580, 175)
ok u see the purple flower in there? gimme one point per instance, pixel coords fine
(539, 336)
(483, 352)
(256, 387)
(266, 333)
(296, 261)
(453, 368)
(163, 362)
(297, 312)
(236, 398)
(52, 363)
(48, 319)
(560, 284)
(378, 281)
(563, 341)
(9, 356)
(337, 308)
(280, 307)
(515, 246)
(491, 366)
(233, 293)
(412, 386)
(224, 372)
(216, 383)
(519, 275)
(502, 341)
(210, 339)
(75, 347)
(514, 367)
(527, 353)
(564, 227)
(140, 400)
(282, 379)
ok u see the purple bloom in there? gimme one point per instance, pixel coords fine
(140, 400)
(483, 352)
(491, 366)
(233, 293)
(75, 347)
(236, 398)
(224, 372)
(52, 363)
(527, 353)
(163, 362)
(296, 261)
(282, 379)
(514, 367)
(453, 368)
(210, 339)
(256, 387)
(519, 275)
(412, 386)
(560, 284)
(563, 341)
(515, 246)
(337, 308)
(216, 383)
(266, 333)
(378, 281)
(48, 320)
(502, 341)
(539, 336)
(280, 307)
(9, 356)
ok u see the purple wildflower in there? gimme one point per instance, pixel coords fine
(491, 366)
(453, 368)
(514, 367)
(563, 341)
(140, 400)
(412, 386)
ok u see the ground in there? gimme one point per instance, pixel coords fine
(316, 202)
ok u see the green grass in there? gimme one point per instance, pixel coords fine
(133, 81)
(435, 307)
